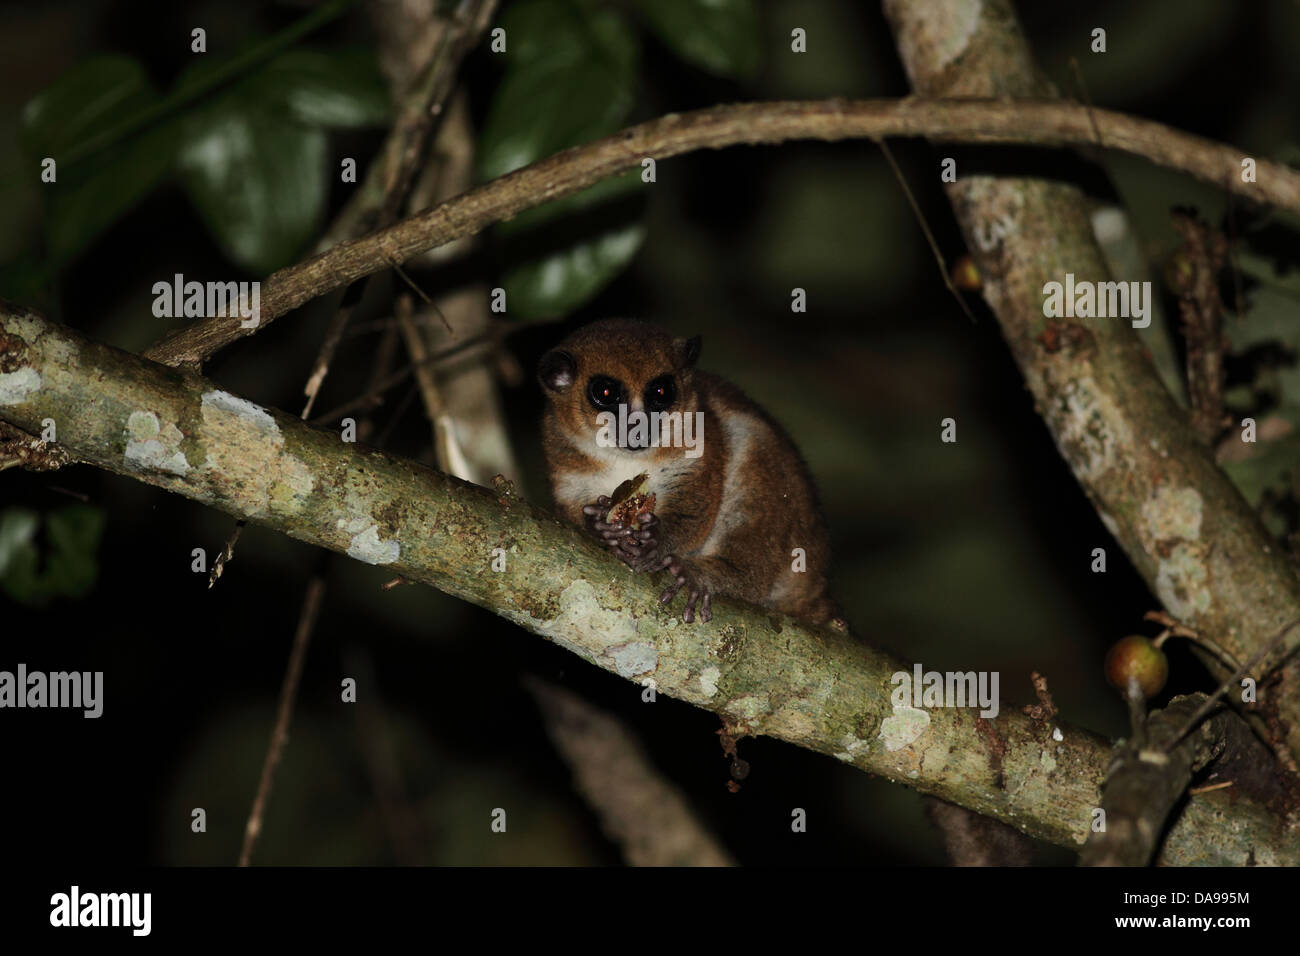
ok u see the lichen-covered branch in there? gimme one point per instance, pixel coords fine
(1153, 482)
(766, 674)
(1042, 122)
(1146, 780)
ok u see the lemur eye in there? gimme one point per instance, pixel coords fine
(606, 393)
(660, 393)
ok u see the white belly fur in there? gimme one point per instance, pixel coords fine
(615, 466)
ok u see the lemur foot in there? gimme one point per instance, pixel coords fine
(697, 592)
(635, 545)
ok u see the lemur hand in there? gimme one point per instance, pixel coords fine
(697, 591)
(635, 544)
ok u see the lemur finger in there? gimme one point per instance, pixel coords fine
(600, 507)
(670, 592)
(688, 615)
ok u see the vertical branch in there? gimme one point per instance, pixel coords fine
(1195, 277)
(1152, 479)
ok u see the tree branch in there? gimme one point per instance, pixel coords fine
(764, 673)
(1147, 778)
(1036, 122)
(1156, 487)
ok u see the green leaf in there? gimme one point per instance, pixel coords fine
(552, 273)
(87, 99)
(544, 106)
(572, 69)
(327, 89)
(257, 180)
(1270, 317)
(567, 31)
(1276, 465)
(241, 144)
(558, 283)
(254, 156)
(74, 533)
(71, 566)
(720, 36)
(17, 530)
(91, 194)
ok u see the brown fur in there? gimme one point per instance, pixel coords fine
(735, 513)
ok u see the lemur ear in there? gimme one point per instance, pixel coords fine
(688, 350)
(557, 370)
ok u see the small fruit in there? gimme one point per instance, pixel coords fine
(1136, 658)
(966, 275)
(630, 500)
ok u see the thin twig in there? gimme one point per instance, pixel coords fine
(226, 554)
(414, 132)
(1230, 683)
(370, 397)
(424, 296)
(925, 228)
(1087, 101)
(288, 693)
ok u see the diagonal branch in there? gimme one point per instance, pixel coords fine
(1036, 122)
(1188, 531)
(764, 674)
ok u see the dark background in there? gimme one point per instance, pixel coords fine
(967, 556)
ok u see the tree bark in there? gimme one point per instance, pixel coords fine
(763, 673)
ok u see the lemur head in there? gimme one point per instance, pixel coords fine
(617, 362)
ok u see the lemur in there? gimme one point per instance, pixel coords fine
(728, 516)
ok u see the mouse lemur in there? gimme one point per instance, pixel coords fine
(734, 507)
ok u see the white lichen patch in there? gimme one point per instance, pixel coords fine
(1173, 513)
(154, 446)
(852, 747)
(903, 727)
(749, 707)
(1109, 224)
(709, 681)
(26, 327)
(245, 449)
(582, 626)
(1108, 522)
(1182, 582)
(1171, 521)
(1093, 433)
(38, 333)
(1047, 761)
(16, 386)
(369, 547)
(631, 660)
(941, 35)
(255, 415)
